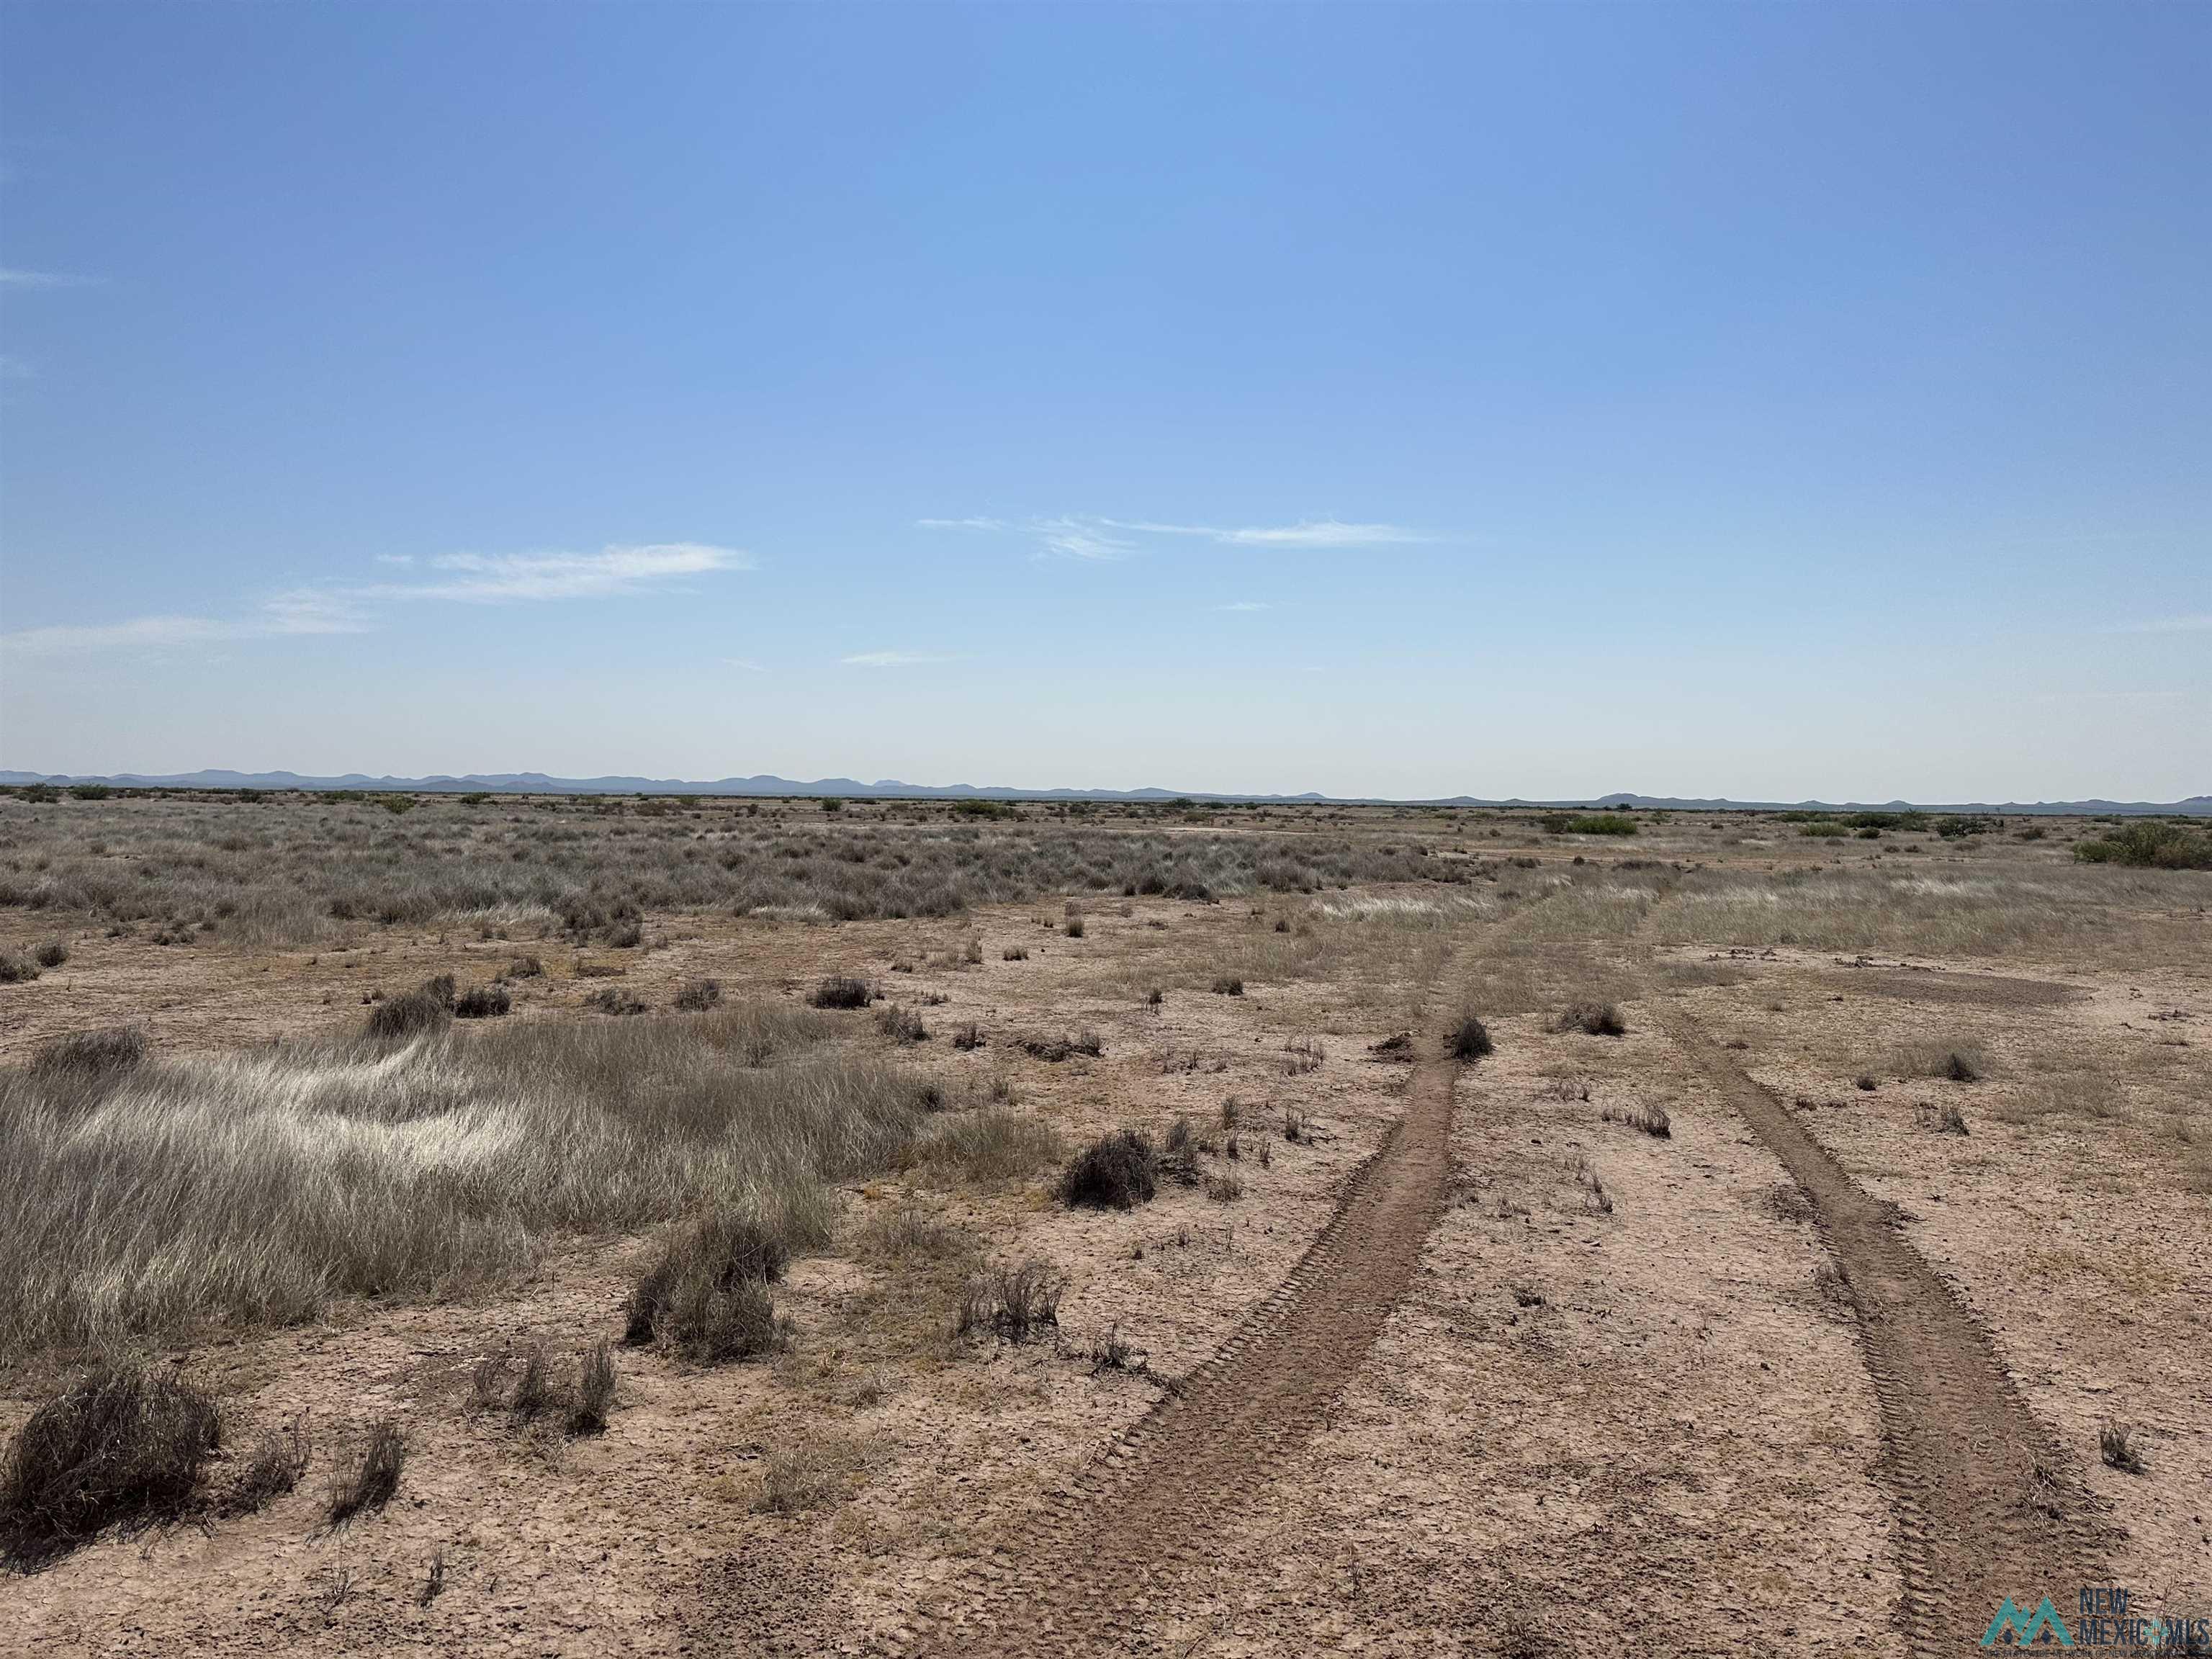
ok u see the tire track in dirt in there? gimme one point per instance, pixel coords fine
(1987, 1506)
(1105, 1554)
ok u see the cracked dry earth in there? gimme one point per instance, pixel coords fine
(1481, 1362)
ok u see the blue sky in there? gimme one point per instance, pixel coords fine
(1767, 401)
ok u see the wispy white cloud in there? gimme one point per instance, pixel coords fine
(10, 277)
(357, 607)
(1246, 605)
(1081, 537)
(895, 658)
(750, 667)
(1307, 533)
(503, 578)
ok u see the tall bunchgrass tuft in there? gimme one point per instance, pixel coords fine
(251, 1188)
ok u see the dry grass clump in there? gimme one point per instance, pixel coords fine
(1118, 1171)
(909, 1233)
(89, 1058)
(807, 1474)
(1013, 1302)
(410, 1014)
(367, 1484)
(1652, 1119)
(483, 1002)
(280, 1457)
(990, 1147)
(843, 991)
(696, 996)
(1591, 1019)
(122, 1443)
(1057, 1048)
(902, 1024)
(250, 1187)
(16, 970)
(1959, 1062)
(705, 1293)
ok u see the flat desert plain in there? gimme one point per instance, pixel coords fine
(572, 1226)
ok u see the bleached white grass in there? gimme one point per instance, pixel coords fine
(251, 1188)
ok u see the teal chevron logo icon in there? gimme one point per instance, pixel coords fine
(2024, 1627)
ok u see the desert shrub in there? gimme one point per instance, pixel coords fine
(1015, 1302)
(2150, 843)
(1177, 1159)
(696, 996)
(1116, 1172)
(16, 970)
(1592, 1019)
(1828, 829)
(51, 954)
(1956, 825)
(1224, 1187)
(902, 1024)
(89, 1057)
(368, 1483)
(706, 1292)
(609, 1001)
(1470, 1039)
(525, 967)
(967, 1037)
(1228, 985)
(483, 1002)
(122, 1443)
(410, 1014)
(625, 935)
(1589, 824)
(280, 1457)
(1014, 953)
(842, 991)
(990, 1145)
(441, 988)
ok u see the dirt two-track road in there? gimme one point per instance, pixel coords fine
(1986, 1503)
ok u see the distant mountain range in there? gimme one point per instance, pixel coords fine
(537, 783)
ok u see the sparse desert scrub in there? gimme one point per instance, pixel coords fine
(250, 1187)
(284, 869)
